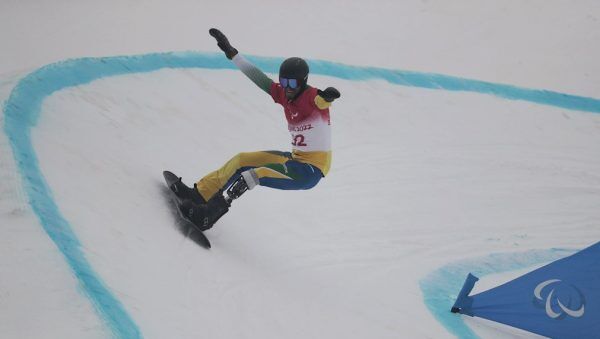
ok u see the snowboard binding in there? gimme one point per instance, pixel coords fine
(205, 215)
(183, 192)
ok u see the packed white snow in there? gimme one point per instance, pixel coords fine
(420, 178)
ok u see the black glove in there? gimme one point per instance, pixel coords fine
(329, 94)
(223, 43)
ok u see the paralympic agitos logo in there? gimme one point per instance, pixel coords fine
(559, 299)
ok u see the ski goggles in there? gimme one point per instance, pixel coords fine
(291, 83)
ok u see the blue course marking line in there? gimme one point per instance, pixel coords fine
(444, 82)
(440, 288)
(23, 108)
(450, 83)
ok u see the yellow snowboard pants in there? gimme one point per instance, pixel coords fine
(272, 168)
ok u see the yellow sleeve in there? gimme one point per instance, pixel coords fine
(321, 103)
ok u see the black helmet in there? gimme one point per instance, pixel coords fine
(294, 68)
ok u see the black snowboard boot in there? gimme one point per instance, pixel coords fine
(206, 215)
(185, 193)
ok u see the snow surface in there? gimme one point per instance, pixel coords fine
(421, 178)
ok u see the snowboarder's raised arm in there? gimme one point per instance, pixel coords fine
(252, 72)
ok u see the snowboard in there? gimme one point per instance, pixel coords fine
(201, 239)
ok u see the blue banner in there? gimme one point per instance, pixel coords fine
(559, 300)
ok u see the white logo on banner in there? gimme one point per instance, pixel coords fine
(549, 311)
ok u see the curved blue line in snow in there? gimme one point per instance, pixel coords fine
(450, 83)
(440, 288)
(23, 108)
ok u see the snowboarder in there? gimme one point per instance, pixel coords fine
(307, 112)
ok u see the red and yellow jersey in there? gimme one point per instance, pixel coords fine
(309, 125)
(307, 117)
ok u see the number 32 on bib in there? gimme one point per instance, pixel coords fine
(298, 140)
